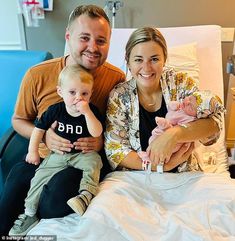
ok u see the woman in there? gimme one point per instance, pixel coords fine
(133, 106)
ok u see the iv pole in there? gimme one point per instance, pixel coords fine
(113, 6)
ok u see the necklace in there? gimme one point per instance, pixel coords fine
(146, 102)
(150, 99)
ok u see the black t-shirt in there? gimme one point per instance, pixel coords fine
(68, 127)
(148, 123)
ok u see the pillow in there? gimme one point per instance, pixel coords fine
(183, 58)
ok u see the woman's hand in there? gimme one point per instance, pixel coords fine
(179, 157)
(88, 144)
(56, 143)
(161, 148)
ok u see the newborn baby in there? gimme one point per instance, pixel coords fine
(199, 105)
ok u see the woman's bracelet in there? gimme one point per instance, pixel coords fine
(146, 166)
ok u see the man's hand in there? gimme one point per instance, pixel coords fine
(179, 157)
(88, 144)
(56, 143)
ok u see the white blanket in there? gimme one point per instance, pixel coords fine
(173, 207)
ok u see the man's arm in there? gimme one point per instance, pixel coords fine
(26, 111)
(51, 139)
(22, 126)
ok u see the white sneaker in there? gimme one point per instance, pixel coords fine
(23, 224)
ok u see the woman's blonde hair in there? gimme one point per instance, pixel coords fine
(142, 35)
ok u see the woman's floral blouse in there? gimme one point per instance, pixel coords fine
(122, 124)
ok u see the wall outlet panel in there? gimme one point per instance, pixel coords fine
(227, 34)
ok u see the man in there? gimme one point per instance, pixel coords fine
(88, 37)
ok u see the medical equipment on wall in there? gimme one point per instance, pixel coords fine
(33, 10)
(113, 6)
(230, 68)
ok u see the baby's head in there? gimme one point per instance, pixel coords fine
(74, 84)
(200, 104)
(189, 105)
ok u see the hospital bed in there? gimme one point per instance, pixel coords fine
(175, 207)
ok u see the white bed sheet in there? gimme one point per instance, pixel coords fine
(174, 207)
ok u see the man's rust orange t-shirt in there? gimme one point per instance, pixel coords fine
(38, 88)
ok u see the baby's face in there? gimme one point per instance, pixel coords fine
(74, 91)
(189, 105)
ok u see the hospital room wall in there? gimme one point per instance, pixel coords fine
(136, 13)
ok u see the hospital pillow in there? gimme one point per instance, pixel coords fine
(184, 58)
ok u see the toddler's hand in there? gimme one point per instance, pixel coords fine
(83, 107)
(33, 158)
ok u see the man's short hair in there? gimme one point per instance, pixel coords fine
(92, 11)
